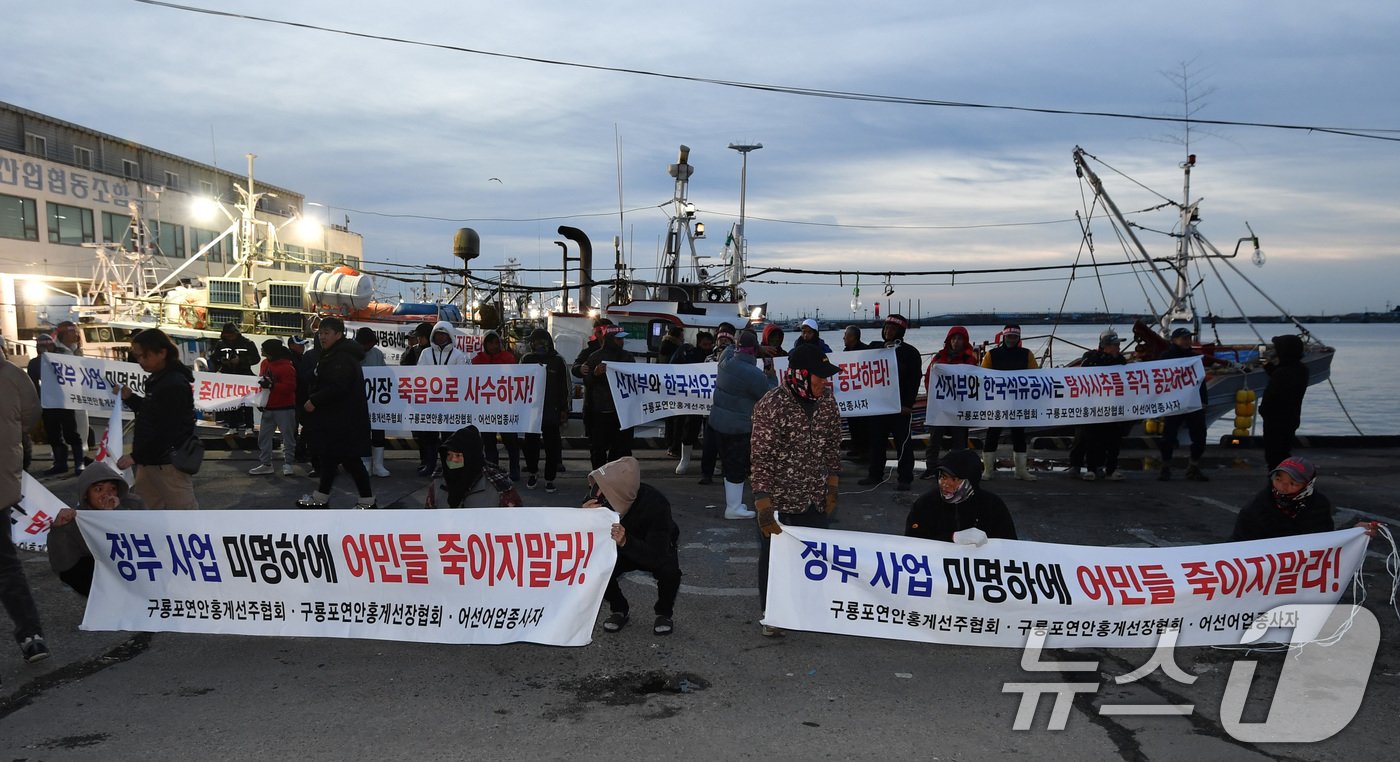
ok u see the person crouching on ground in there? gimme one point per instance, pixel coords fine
(1290, 505)
(646, 539)
(101, 488)
(796, 454)
(958, 505)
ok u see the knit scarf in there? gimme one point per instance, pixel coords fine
(1291, 505)
(800, 382)
(959, 495)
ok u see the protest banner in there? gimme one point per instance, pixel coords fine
(645, 392)
(394, 338)
(484, 575)
(31, 518)
(969, 395)
(874, 585)
(417, 398)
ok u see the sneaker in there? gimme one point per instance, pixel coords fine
(1114, 476)
(312, 473)
(78, 469)
(311, 501)
(370, 506)
(615, 621)
(533, 481)
(55, 471)
(663, 625)
(261, 470)
(287, 470)
(1088, 475)
(550, 488)
(425, 470)
(34, 649)
(230, 432)
(769, 631)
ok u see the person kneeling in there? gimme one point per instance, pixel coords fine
(101, 488)
(646, 539)
(463, 468)
(957, 509)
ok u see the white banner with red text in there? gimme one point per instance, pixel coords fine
(401, 398)
(394, 337)
(485, 575)
(644, 392)
(969, 395)
(90, 384)
(996, 594)
(31, 518)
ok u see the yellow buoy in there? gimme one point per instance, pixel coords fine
(1245, 395)
(1153, 425)
(1240, 433)
(1244, 409)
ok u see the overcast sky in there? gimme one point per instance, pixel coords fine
(393, 129)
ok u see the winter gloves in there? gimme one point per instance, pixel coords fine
(767, 522)
(832, 482)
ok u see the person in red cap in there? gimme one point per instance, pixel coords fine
(796, 455)
(896, 425)
(1290, 505)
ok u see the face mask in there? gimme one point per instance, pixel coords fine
(455, 460)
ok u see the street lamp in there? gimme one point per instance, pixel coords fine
(743, 149)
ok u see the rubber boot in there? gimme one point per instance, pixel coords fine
(1023, 472)
(377, 463)
(1194, 473)
(683, 467)
(734, 501)
(989, 466)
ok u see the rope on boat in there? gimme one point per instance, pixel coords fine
(1343, 406)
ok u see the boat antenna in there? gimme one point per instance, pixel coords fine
(617, 149)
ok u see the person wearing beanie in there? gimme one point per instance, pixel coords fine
(557, 401)
(739, 385)
(957, 350)
(374, 358)
(810, 333)
(1008, 354)
(1281, 407)
(957, 504)
(647, 540)
(236, 354)
(796, 452)
(896, 426)
(1098, 444)
(1290, 505)
(279, 378)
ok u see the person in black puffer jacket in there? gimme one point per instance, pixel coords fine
(958, 503)
(164, 420)
(339, 416)
(607, 440)
(1282, 405)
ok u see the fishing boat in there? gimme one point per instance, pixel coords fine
(1178, 280)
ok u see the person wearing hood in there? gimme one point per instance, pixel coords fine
(1282, 403)
(374, 358)
(607, 440)
(957, 350)
(1098, 444)
(1290, 505)
(19, 411)
(796, 455)
(60, 424)
(957, 509)
(770, 346)
(463, 467)
(646, 536)
(1008, 354)
(554, 416)
(440, 349)
(425, 440)
(576, 368)
(709, 443)
(896, 425)
(739, 385)
(810, 333)
(164, 421)
(100, 488)
(236, 354)
(339, 416)
(494, 352)
(279, 378)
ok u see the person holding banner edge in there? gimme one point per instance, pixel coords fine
(607, 440)
(895, 426)
(164, 421)
(958, 509)
(796, 452)
(646, 536)
(1008, 354)
(956, 351)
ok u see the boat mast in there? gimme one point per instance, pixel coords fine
(682, 214)
(1183, 304)
(1097, 185)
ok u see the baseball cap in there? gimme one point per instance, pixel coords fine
(809, 358)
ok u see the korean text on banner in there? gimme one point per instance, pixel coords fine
(485, 575)
(968, 395)
(646, 392)
(31, 519)
(858, 583)
(448, 397)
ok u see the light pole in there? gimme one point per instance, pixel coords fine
(743, 149)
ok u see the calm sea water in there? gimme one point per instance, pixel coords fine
(1364, 371)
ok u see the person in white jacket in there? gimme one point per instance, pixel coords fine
(442, 349)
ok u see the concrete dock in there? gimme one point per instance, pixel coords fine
(715, 689)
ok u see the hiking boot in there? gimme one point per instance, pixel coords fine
(34, 649)
(615, 621)
(260, 470)
(663, 625)
(1194, 473)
